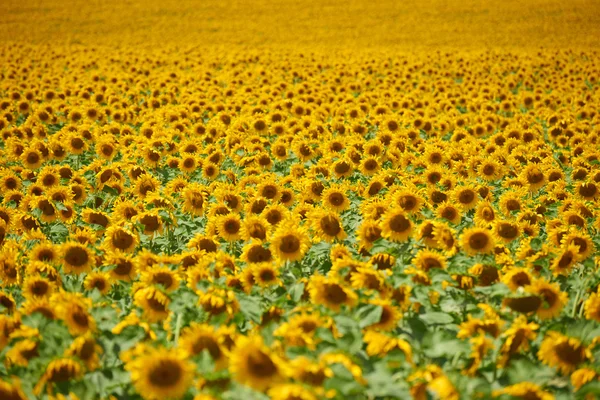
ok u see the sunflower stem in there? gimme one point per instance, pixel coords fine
(178, 327)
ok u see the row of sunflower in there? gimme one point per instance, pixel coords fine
(199, 225)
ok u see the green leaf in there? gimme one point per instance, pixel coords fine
(111, 191)
(443, 344)
(250, 307)
(369, 315)
(296, 291)
(417, 328)
(381, 384)
(435, 317)
(592, 388)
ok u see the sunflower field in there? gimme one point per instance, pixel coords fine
(251, 200)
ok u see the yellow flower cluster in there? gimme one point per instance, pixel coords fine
(288, 200)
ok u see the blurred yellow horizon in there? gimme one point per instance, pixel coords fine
(334, 24)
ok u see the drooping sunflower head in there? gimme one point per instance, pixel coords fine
(553, 299)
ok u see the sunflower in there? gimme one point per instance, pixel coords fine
(449, 212)
(76, 258)
(45, 252)
(373, 189)
(592, 307)
(217, 301)
(327, 225)
(290, 391)
(335, 198)
(124, 266)
(490, 170)
(7, 302)
(21, 352)
(466, 197)
(553, 299)
(517, 338)
(390, 315)
(480, 345)
(39, 305)
(275, 213)
(210, 171)
(73, 309)
(484, 214)
(368, 279)
(582, 376)
(409, 200)
(151, 221)
(588, 190)
(445, 238)
(48, 212)
(534, 176)
(153, 302)
(477, 241)
(95, 217)
(12, 390)
(330, 293)
(266, 274)
(59, 371)
(146, 184)
(342, 168)
(254, 365)
(512, 201)
(188, 163)
(269, 190)
(370, 165)
(199, 337)
(444, 388)
(9, 181)
(565, 260)
(36, 286)
(289, 242)
(368, 233)
(229, 227)
(255, 253)
(120, 239)
(506, 231)
(87, 350)
(563, 352)
(98, 280)
(426, 260)
(382, 261)
(255, 227)
(580, 239)
(32, 159)
(207, 243)
(380, 344)
(524, 390)
(161, 373)
(396, 226)
(161, 275)
(125, 210)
